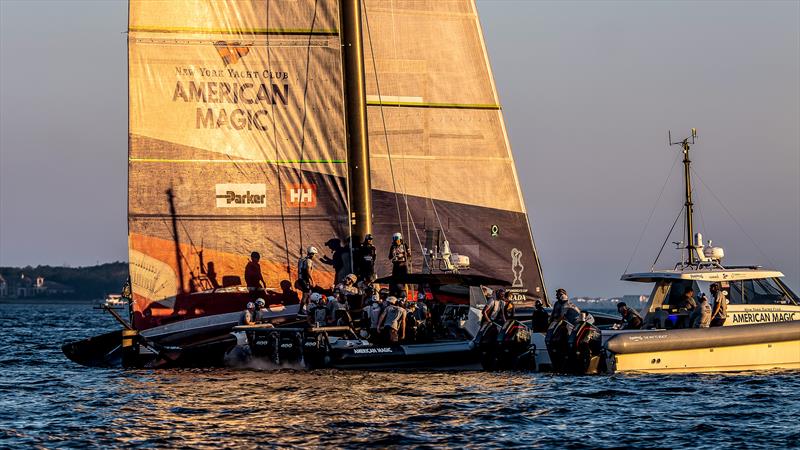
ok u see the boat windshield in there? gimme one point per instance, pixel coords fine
(764, 291)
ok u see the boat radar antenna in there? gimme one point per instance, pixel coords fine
(691, 245)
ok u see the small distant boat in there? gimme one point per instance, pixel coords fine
(115, 301)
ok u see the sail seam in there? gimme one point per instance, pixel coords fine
(239, 161)
(435, 105)
(254, 31)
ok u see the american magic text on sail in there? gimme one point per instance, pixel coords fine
(235, 92)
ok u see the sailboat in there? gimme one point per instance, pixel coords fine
(271, 126)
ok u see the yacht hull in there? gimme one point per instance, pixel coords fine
(723, 349)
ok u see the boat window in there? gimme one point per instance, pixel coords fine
(759, 292)
(676, 291)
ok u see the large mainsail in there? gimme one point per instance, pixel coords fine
(236, 111)
(440, 157)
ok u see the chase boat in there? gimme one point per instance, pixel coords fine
(761, 330)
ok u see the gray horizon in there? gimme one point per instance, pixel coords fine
(588, 89)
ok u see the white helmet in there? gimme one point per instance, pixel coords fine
(331, 299)
(312, 250)
(261, 303)
(397, 236)
(251, 305)
(315, 297)
(352, 277)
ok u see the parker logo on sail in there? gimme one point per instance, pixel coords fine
(231, 52)
(301, 195)
(241, 195)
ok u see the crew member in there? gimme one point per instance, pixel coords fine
(252, 273)
(392, 322)
(248, 315)
(509, 311)
(701, 315)
(564, 309)
(374, 314)
(399, 254)
(305, 274)
(352, 294)
(540, 318)
(631, 320)
(494, 311)
(365, 261)
(316, 312)
(688, 304)
(720, 309)
(261, 310)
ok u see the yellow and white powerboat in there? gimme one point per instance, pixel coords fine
(760, 330)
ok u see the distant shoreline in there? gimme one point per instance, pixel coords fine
(49, 301)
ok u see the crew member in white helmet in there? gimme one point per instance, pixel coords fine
(248, 315)
(261, 310)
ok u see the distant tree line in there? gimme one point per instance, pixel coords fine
(89, 282)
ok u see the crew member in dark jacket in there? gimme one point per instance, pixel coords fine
(399, 254)
(252, 273)
(631, 320)
(365, 260)
(540, 318)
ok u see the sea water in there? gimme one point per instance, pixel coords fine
(47, 401)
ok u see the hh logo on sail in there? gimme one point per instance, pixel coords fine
(301, 195)
(241, 195)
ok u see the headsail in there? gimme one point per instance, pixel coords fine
(439, 152)
(236, 109)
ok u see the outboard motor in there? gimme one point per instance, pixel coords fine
(557, 340)
(316, 350)
(279, 346)
(514, 349)
(488, 345)
(586, 348)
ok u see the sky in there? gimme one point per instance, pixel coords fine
(588, 89)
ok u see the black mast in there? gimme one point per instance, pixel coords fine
(687, 175)
(355, 107)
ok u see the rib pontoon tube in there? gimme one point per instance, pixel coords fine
(668, 340)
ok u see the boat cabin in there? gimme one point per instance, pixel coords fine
(755, 295)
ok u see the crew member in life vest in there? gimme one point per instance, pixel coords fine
(392, 323)
(631, 320)
(252, 275)
(701, 316)
(719, 312)
(262, 313)
(305, 274)
(494, 311)
(564, 309)
(365, 260)
(399, 254)
(248, 315)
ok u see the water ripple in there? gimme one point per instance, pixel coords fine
(47, 401)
